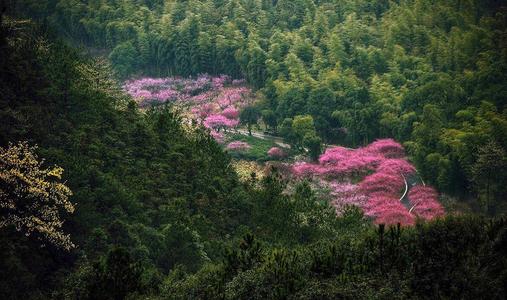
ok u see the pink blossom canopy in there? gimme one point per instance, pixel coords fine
(382, 165)
(424, 202)
(276, 152)
(219, 121)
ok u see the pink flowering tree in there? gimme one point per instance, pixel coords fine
(218, 122)
(387, 147)
(340, 160)
(238, 146)
(276, 152)
(424, 201)
(219, 137)
(395, 166)
(396, 215)
(219, 82)
(231, 113)
(306, 169)
(335, 155)
(382, 183)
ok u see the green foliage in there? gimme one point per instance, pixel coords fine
(125, 58)
(314, 145)
(141, 181)
(249, 117)
(269, 119)
(246, 257)
(449, 258)
(115, 277)
(489, 171)
(302, 126)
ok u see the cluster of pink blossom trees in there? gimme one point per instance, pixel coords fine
(231, 113)
(387, 210)
(214, 101)
(380, 169)
(158, 90)
(222, 111)
(340, 161)
(218, 122)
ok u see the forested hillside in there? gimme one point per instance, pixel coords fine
(431, 74)
(142, 181)
(133, 165)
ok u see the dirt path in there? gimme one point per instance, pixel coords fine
(278, 140)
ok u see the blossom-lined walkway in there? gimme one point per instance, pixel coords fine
(372, 178)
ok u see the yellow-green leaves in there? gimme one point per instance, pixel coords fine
(31, 198)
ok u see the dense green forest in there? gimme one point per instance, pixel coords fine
(100, 199)
(431, 74)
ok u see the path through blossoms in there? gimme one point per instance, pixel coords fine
(373, 178)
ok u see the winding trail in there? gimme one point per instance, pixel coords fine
(410, 181)
(406, 188)
(278, 140)
(413, 180)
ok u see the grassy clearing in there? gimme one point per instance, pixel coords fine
(257, 152)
